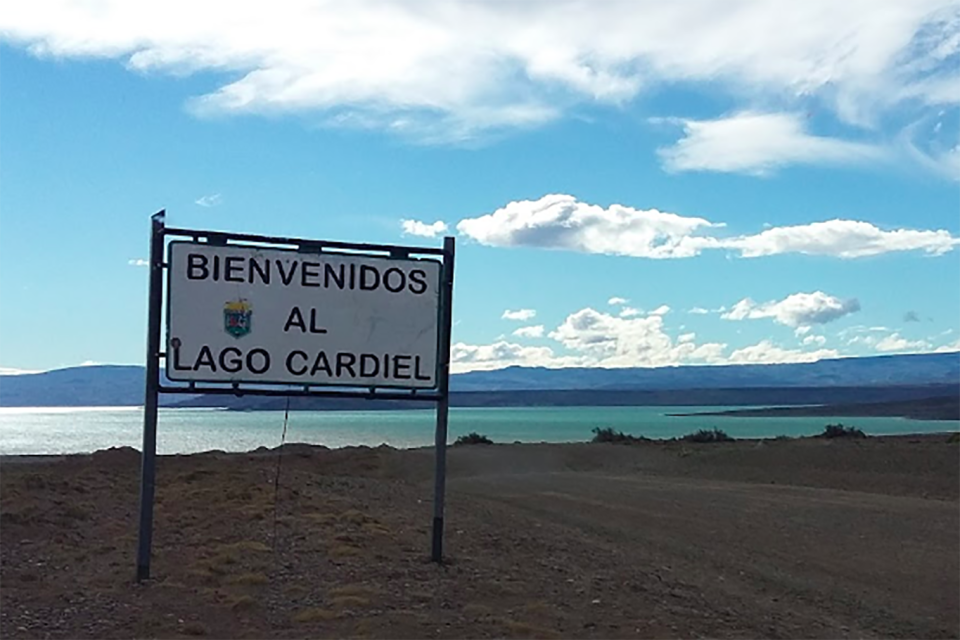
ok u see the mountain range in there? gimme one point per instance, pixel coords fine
(897, 377)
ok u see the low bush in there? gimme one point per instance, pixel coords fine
(954, 438)
(840, 431)
(608, 434)
(473, 438)
(707, 435)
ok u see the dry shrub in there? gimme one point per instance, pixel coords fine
(707, 436)
(839, 431)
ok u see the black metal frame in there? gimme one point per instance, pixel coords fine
(153, 386)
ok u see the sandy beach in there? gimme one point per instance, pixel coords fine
(778, 539)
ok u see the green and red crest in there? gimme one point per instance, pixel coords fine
(237, 317)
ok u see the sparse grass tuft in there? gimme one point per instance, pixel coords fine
(245, 545)
(474, 610)
(248, 579)
(344, 551)
(315, 614)
(954, 438)
(707, 436)
(243, 603)
(361, 590)
(472, 438)
(525, 630)
(839, 431)
(348, 602)
(354, 517)
(195, 628)
(296, 591)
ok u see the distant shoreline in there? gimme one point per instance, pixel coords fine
(944, 408)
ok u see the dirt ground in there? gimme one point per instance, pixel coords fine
(776, 539)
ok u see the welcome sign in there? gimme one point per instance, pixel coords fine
(263, 315)
(295, 318)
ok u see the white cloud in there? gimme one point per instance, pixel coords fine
(796, 310)
(699, 311)
(841, 239)
(519, 314)
(629, 312)
(758, 143)
(212, 200)
(948, 348)
(813, 339)
(138, 262)
(466, 357)
(417, 228)
(534, 331)
(591, 338)
(895, 342)
(604, 340)
(662, 310)
(559, 221)
(14, 371)
(765, 352)
(616, 301)
(462, 67)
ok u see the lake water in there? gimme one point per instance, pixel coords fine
(58, 430)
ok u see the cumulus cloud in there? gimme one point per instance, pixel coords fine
(465, 67)
(758, 144)
(895, 343)
(765, 352)
(519, 314)
(841, 239)
(616, 301)
(813, 340)
(14, 371)
(533, 331)
(796, 310)
(466, 357)
(211, 200)
(662, 310)
(699, 311)
(138, 262)
(560, 221)
(605, 340)
(592, 338)
(629, 312)
(417, 228)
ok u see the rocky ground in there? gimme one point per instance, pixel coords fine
(782, 538)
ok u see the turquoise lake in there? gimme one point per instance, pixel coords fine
(59, 430)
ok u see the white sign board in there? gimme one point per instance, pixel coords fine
(258, 315)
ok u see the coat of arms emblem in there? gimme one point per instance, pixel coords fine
(237, 317)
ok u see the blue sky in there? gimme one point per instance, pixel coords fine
(631, 183)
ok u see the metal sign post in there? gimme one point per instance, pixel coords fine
(327, 319)
(148, 455)
(443, 404)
